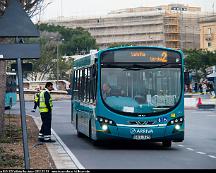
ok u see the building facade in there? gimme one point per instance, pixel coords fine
(173, 25)
(208, 33)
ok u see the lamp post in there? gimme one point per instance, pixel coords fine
(57, 58)
(57, 64)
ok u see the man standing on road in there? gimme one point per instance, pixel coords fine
(36, 98)
(45, 108)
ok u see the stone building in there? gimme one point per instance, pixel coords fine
(208, 32)
(173, 25)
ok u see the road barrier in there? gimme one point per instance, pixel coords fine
(206, 106)
(198, 103)
(56, 95)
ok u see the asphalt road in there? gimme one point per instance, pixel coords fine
(197, 151)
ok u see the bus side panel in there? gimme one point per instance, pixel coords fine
(84, 118)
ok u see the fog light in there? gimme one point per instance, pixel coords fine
(177, 127)
(104, 127)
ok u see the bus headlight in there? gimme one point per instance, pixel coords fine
(104, 127)
(177, 127)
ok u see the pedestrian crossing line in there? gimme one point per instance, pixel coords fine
(200, 152)
(214, 157)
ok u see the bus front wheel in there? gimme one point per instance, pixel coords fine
(167, 144)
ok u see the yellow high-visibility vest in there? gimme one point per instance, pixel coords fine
(36, 98)
(42, 105)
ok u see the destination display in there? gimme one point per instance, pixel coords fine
(140, 55)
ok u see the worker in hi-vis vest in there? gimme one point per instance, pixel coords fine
(36, 99)
(45, 108)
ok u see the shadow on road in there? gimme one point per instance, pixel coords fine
(118, 144)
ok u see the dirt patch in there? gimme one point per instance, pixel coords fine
(11, 147)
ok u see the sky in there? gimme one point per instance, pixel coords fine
(80, 8)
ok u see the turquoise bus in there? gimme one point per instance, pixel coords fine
(129, 93)
(10, 95)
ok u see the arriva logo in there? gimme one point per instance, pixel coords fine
(141, 131)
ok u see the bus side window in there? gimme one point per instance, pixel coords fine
(93, 83)
(75, 85)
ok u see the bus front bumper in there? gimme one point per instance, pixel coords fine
(156, 134)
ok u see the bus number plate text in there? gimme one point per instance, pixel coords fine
(141, 137)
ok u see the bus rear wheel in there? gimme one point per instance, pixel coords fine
(167, 144)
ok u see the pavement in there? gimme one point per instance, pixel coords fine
(62, 156)
(65, 159)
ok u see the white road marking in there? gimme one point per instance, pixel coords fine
(200, 152)
(191, 149)
(214, 157)
(72, 156)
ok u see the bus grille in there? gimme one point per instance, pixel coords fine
(141, 122)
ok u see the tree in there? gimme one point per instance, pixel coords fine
(198, 61)
(69, 42)
(76, 41)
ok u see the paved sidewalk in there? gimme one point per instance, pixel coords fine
(61, 155)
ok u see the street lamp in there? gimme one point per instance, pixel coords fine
(57, 64)
(57, 58)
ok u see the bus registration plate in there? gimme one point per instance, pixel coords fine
(141, 137)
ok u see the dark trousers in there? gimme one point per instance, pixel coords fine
(35, 105)
(46, 118)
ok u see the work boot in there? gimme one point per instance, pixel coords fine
(33, 110)
(40, 140)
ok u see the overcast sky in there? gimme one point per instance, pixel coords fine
(69, 8)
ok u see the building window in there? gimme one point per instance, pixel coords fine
(209, 44)
(209, 30)
(159, 8)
